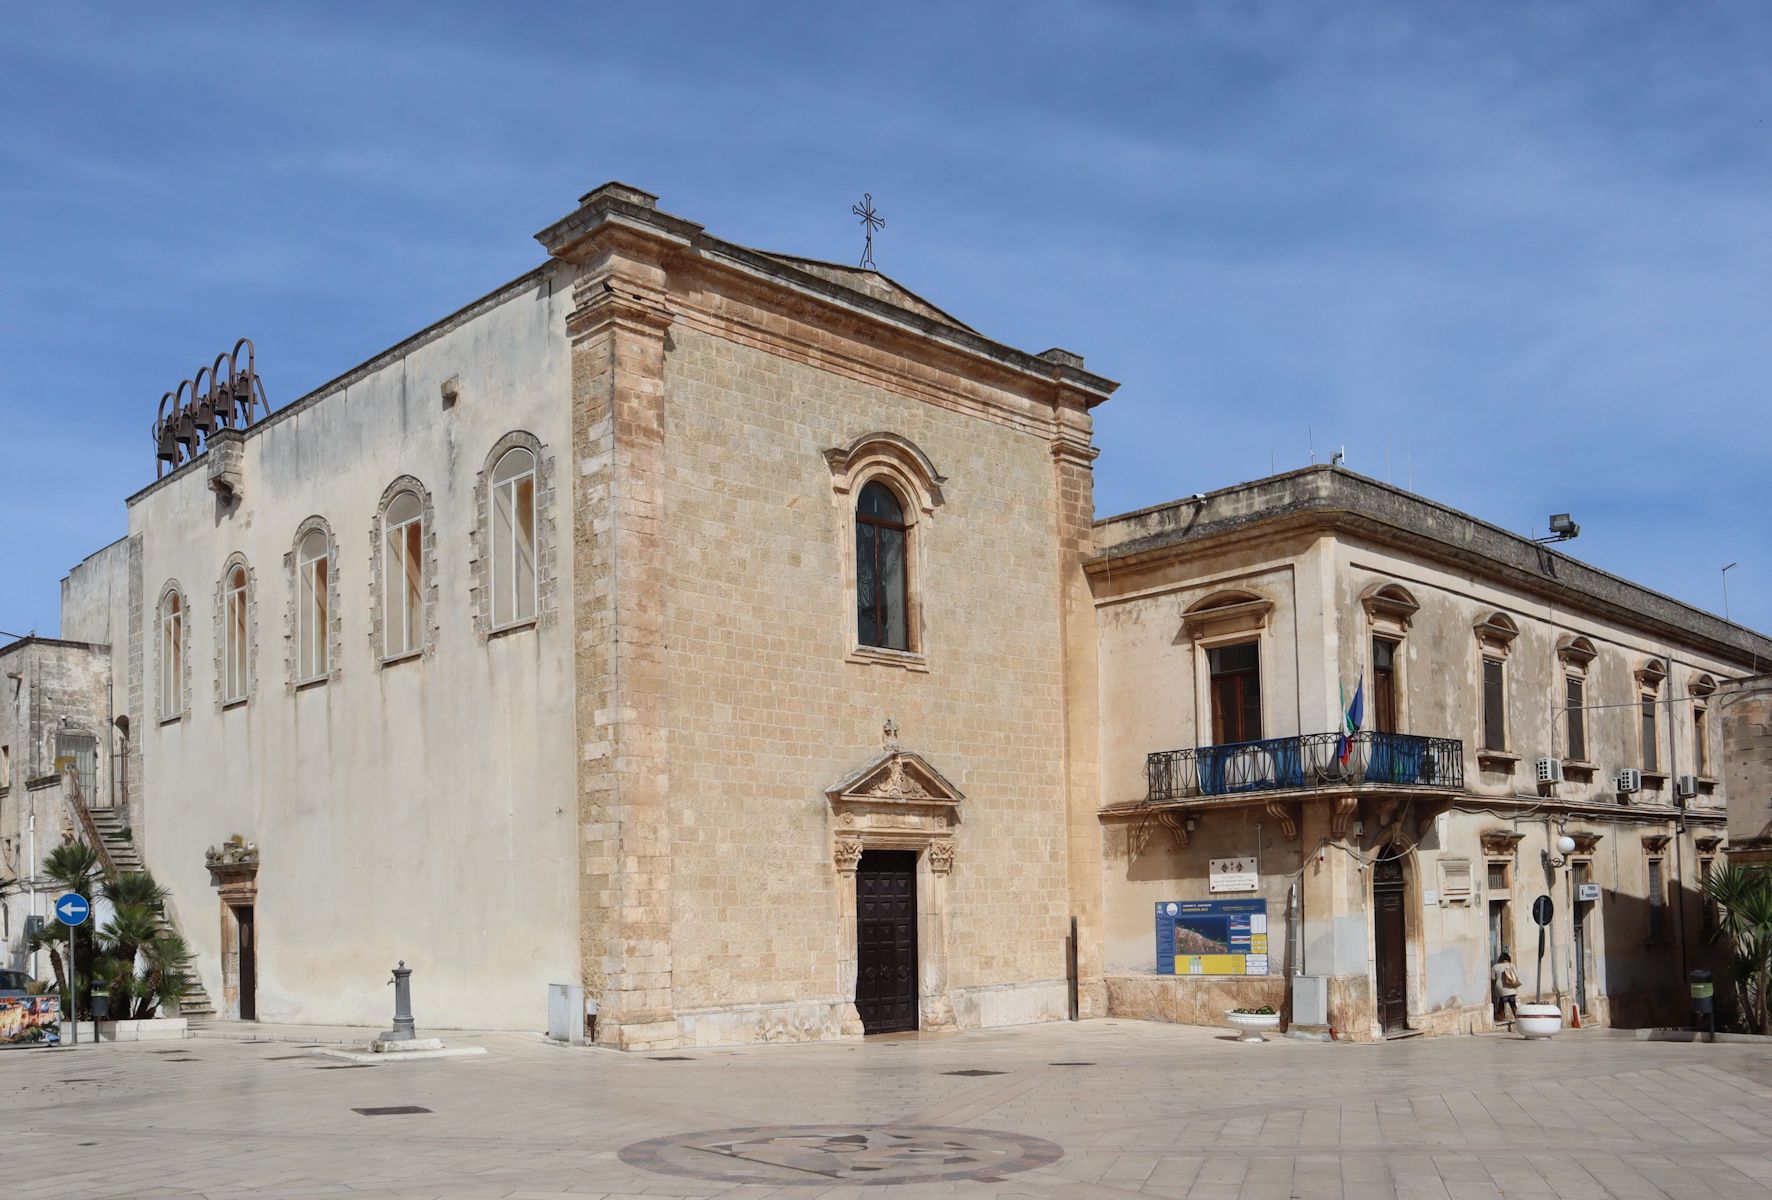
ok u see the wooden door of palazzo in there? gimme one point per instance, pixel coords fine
(886, 940)
(1390, 938)
(243, 919)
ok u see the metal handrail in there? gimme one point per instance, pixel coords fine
(77, 802)
(1308, 762)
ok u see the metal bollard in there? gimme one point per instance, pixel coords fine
(402, 1030)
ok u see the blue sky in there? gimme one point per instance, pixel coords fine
(1515, 256)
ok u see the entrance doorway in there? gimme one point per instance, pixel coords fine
(247, 967)
(1581, 873)
(886, 940)
(1390, 940)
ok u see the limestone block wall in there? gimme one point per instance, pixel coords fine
(1747, 754)
(48, 688)
(421, 809)
(766, 712)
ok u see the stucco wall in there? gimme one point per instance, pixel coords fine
(421, 810)
(1315, 583)
(767, 713)
(47, 688)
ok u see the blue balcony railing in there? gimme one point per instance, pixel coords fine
(1312, 761)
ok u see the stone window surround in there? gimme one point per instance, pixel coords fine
(1650, 677)
(334, 611)
(480, 565)
(172, 588)
(1495, 634)
(902, 466)
(1390, 610)
(220, 622)
(1227, 617)
(427, 580)
(1575, 654)
(1701, 688)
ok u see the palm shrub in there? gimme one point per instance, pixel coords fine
(1743, 897)
(135, 958)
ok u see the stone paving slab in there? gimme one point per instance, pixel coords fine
(1134, 1110)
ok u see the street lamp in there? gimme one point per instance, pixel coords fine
(1565, 847)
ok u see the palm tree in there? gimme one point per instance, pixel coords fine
(72, 867)
(135, 958)
(1744, 901)
(144, 961)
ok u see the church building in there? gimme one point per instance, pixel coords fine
(729, 634)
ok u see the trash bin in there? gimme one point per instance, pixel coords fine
(1704, 1010)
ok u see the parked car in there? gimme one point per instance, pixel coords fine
(14, 983)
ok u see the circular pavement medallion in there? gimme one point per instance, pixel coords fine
(852, 1154)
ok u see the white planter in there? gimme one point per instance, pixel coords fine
(153, 1030)
(1539, 1022)
(1252, 1025)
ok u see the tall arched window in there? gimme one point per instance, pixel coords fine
(172, 654)
(234, 635)
(881, 586)
(513, 538)
(403, 575)
(313, 574)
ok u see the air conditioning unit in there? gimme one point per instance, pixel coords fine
(1686, 787)
(1629, 780)
(1550, 770)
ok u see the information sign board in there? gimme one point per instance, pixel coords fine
(1212, 937)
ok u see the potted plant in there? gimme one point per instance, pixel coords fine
(1252, 1023)
(1539, 1022)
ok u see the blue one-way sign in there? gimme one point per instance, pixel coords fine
(72, 908)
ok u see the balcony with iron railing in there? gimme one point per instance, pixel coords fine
(1307, 763)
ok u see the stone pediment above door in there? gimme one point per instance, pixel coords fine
(897, 799)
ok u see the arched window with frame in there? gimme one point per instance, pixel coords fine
(313, 579)
(403, 575)
(234, 635)
(172, 654)
(882, 583)
(513, 538)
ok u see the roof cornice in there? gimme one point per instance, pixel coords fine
(1332, 499)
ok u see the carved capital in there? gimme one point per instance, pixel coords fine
(847, 855)
(941, 857)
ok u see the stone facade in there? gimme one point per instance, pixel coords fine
(1309, 568)
(1745, 706)
(669, 780)
(654, 767)
(54, 703)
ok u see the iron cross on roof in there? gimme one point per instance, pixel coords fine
(870, 221)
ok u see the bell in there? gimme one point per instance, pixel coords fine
(165, 449)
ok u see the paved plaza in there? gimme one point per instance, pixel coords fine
(1103, 1109)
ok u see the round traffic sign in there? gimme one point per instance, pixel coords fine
(71, 908)
(1542, 910)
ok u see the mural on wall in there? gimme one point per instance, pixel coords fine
(1212, 937)
(30, 1020)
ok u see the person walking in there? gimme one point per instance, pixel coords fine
(1507, 986)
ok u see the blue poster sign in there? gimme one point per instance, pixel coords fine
(1212, 937)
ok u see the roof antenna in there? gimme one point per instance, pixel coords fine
(1339, 457)
(1311, 441)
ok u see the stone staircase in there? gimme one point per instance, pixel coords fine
(119, 848)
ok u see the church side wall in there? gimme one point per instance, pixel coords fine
(419, 810)
(767, 713)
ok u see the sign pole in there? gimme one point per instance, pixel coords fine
(72, 1016)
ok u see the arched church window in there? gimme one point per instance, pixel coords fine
(882, 582)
